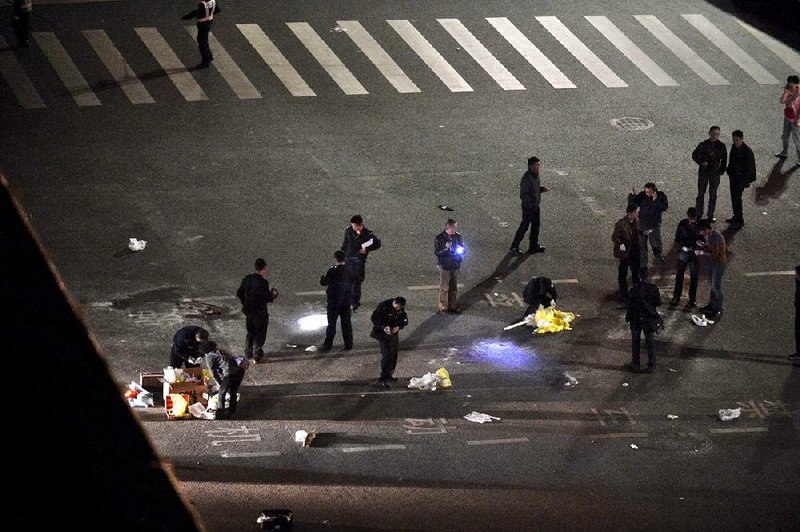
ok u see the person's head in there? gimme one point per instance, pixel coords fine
(399, 303)
(357, 223)
(207, 347)
(714, 133)
(201, 336)
(451, 227)
(339, 256)
(534, 164)
(691, 214)
(704, 226)
(632, 211)
(261, 267)
(650, 189)
(793, 83)
(738, 138)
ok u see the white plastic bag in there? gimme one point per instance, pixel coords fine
(136, 245)
(729, 414)
(170, 375)
(429, 381)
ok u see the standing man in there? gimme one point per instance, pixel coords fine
(626, 248)
(643, 302)
(228, 371)
(651, 202)
(254, 293)
(449, 249)
(204, 15)
(715, 248)
(387, 320)
(711, 157)
(791, 117)
(20, 18)
(686, 237)
(358, 242)
(339, 282)
(796, 356)
(741, 172)
(530, 192)
(186, 346)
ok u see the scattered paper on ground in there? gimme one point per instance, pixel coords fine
(136, 245)
(478, 417)
(729, 414)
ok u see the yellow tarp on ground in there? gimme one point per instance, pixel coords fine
(552, 320)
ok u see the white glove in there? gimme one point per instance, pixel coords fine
(622, 247)
(684, 249)
(698, 252)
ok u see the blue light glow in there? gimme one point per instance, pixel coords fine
(460, 250)
(506, 354)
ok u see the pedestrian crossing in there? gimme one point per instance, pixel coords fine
(397, 56)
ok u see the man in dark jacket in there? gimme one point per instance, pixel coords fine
(539, 291)
(449, 249)
(626, 248)
(358, 242)
(254, 293)
(186, 345)
(339, 282)
(652, 203)
(228, 371)
(711, 157)
(530, 192)
(741, 172)
(387, 320)
(796, 356)
(643, 302)
(204, 16)
(687, 236)
(20, 18)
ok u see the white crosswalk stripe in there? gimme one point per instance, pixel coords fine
(275, 60)
(18, 80)
(65, 68)
(731, 49)
(581, 52)
(631, 51)
(327, 58)
(375, 53)
(430, 56)
(119, 69)
(228, 69)
(531, 53)
(681, 50)
(787, 54)
(172, 66)
(479, 53)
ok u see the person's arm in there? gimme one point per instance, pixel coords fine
(440, 248)
(344, 242)
(377, 317)
(697, 155)
(616, 236)
(271, 294)
(785, 96)
(324, 280)
(663, 202)
(376, 242)
(751, 167)
(724, 162)
(525, 189)
(241, 292)
(402, 319)
(635, 198)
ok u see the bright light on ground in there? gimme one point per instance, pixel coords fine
(313, 322)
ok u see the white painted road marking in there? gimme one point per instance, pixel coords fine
(681, 50)
(430, 56)
(21, 85)
(172, 66)
(764, 274)
(119, 69)
(429, 287)
(275, 60)
(738, 430)
(364, 448)
(227, 454)
(617, 435)
(479, 53)
(497, 442)
(375, 53)
(531, 53)
(581, 52)
(228, 69)
(62, 63)
(731, 49)
(311, 293)
(787, 54)
(631, 51)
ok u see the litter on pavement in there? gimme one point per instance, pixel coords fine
(311, 348)
(304, 438)
(276, 520)
(431, 381)
(701, 321)
(634, 446)
(136, 245)
(138, 397)
(571, 381)
(729, 414)
(478, 417)
(546, 320)
(672, 416)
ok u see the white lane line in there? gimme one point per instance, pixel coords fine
(62, 63)
(275, 60)
(172, 66)
(786, 53)
(21, 85)
(119, 69)
(636, 55)
(738, 430)
(559, 281)
(531, 53)
(731, 49)
(681, 50)
(428, 287)
(481, 54)
(497, 442)
(375, 53)
(581, 52)
(311, 293)
(430, 56)
(764, 274)
(228, 454)
(228, 69)
(618, 435)
(327, 58)
(364, 448)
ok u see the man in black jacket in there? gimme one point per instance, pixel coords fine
(652, 203)
(530, 192)
(539, 291)
(358, 242)
(387, 320)
(741, 172)
(711, 157)
(186, 345)
(449, 249)
(339, 282)
(204, 16)
(687, 235)
(643, 301)
(254, 293)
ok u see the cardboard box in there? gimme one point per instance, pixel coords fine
(153, 383)
(192, 388)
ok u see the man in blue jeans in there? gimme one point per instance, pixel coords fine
(716, 250)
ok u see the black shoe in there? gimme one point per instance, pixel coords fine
(325, 348)
(536, 249)
(348, 348)
(384, 384)
(393, 379)
(633, 367)
(355, 306)
(649, 369)
(781, 155)
(661, 258)
(454, 311)
(706, 308)
(735, 226)
(675, 301)
(712, 219)
(691, 303)
(516, 252)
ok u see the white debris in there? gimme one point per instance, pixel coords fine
(672, 416)
(201, 412)
(339, 29)
(291, 345)
(701, 321)
(571, 381)
(136, 245)
(672, 370)
(634, 446)
(311, 348)
(625, 384)
(468, 395)
(729, 414)
(429, 381)
(303, 438)
(477, 417)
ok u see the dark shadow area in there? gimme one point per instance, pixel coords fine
(778, 18)
(83, 459)
(776, 183)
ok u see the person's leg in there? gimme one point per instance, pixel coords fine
(224, 389)
(636, 345)
(643, 250)
(716, 288)
(202, 43)
(330, 331)
(655, 241)
(713, 185)
(702, 185)
(347, 327)
(452, 291)
(736, 204)
(622, 278)
(260, 336)
(679, 273)
(444, 278)
(356, 268)
(175, 360)
(694, 269)
(251, 328)
(394, 347)
(796, 332)
(635, 267)
(651, 353)
(796, 137)
(535, 224)
(522, 229)
(386, 359)
(233, 389)
(785, 135)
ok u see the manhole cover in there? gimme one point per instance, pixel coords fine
(631, 123)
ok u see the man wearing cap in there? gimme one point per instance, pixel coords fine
(530, 192)
(358, 242)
